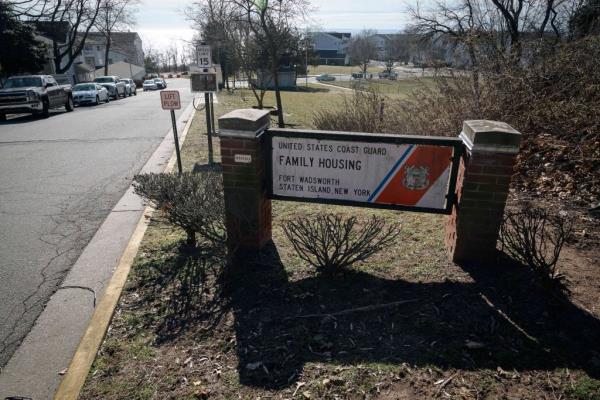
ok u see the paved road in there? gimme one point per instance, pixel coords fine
(59, 178)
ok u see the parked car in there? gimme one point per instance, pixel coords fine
(325, 78)
(360, 75)
(90, 93)
(388, 75)
(34, 94)
(160, 83)
(130, 86)
(114, 86)
(149, 84)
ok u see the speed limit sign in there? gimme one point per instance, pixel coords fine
(204, 57)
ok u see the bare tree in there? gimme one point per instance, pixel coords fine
(396, 49)
(258, 34)
(363, 49)
(493, 28)
(114, 15)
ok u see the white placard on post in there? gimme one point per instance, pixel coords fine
(170, 100)
(204, 56)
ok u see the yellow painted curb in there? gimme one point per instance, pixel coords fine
(91, 341)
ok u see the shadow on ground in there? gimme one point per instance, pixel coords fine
(503, 319)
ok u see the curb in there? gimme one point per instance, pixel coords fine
(93, 337)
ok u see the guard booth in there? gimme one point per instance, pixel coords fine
(465, 177)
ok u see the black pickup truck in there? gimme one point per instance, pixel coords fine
(34, 94)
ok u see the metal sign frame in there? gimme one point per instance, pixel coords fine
(204, 75)
(455, 143)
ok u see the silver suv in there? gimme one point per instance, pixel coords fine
(114, 86)
(130, 86)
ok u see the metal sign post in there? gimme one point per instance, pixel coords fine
(209, 126)
(170, 100)
(206, 82)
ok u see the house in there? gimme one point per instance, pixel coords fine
(286, 76)
(125, 46)
(384, 42)
(332, 47)
(124, 70)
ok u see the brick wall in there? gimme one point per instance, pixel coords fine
(482, 189)
(247, 208)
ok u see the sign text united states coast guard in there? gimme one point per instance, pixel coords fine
(336, 170)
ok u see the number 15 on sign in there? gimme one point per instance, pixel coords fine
(204, 57)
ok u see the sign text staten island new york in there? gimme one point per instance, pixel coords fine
(342, 169)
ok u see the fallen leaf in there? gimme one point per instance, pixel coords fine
(253, 366)
(470, 344)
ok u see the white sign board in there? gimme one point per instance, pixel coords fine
(384, 174)
(204, 57)
(170, 100)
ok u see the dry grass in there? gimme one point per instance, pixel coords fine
(555, 104)
(401, 88)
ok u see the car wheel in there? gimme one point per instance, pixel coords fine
(97, 100)
(2, 117)
(107, 98)
(45, 109)
(69, 104)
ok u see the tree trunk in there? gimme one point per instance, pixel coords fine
(106, 51)
(190, 241)
(280, 121)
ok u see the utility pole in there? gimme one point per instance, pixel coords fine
(306, 61)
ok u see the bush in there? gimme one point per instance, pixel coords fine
(535, 238)
(554, 102)
(194, 202)
(362, 112)
(331, 243)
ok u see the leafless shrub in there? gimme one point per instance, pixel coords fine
(535, 238)
(193, 202)
(333, 242)
(362, 112)
(555, 98)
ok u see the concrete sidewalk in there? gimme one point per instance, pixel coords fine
(36, 368)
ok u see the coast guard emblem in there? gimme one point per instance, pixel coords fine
(416, 178)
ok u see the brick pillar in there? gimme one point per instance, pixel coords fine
(247, 208)
(484, 176)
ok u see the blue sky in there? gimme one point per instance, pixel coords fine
(162, 22)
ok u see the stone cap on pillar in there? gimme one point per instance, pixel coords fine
(491, 136)
(244, 123)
